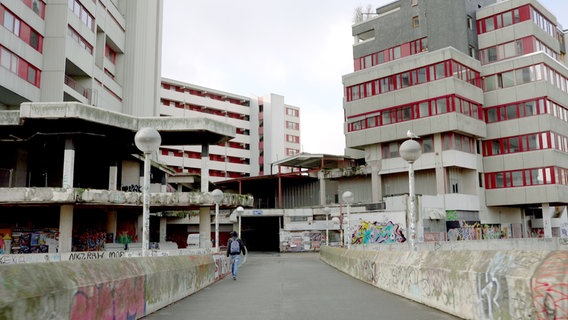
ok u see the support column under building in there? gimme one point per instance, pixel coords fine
(111, 225)
(546, 220)
(322, 192)
(163, 229)
(112, 177)
(205, 227)
(68, 163)
(65, 228)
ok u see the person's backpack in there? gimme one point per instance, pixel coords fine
(235, 247)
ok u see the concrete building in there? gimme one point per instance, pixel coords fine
(267, 130)
(485, 85)
(78, 79)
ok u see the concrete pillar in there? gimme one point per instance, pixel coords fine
(112, 224)
(438, 162)
(163, 228)
(65, 228)
(112, 177)
(205, 227)
(546, 220)
(68, 163)
(322, 191)
(204, 168)
(376, 182)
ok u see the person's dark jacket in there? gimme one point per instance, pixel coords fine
(241, 244)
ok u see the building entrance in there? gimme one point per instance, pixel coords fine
(261, 233)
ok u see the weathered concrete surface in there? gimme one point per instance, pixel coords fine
(468, 284)
(126, 288)
(114, 197)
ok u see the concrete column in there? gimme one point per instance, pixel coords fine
(112, 223)
(65, 228)
(205, 227)
(68, 163)
(376, 182)
(546, 220)
(163, 229)
(204, 168)
(112, 177)
(322, 191)
(440, 176)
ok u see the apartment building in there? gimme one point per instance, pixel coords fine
(267, 129)
(483, 83)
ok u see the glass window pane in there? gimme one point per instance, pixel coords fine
(423, 109)
(492, 115)
(440, 73)
(507, 18)
(517, 178)
(495, 147)
(508, 79)
(511, 111)
(489, 24)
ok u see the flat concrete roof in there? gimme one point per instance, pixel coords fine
(41, 118)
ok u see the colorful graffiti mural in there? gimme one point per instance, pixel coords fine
(375, 232)
(121, 299)
(550, 287)
(477, 231)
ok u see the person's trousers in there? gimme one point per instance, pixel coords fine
(235, 261)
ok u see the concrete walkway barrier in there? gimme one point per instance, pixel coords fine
(468, 284)
(127, 288)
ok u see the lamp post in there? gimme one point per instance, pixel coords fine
(217, 197)
(147, 140)
(240, 211)
(327, 210)
(410, 151)
(348, 199)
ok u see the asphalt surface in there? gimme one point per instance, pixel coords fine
(294, 286)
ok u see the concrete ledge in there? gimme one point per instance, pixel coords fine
(468, 284)
(128, 288)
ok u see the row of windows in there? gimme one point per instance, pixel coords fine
(19, 66)
(401, 51)
(525, 143)
(413, 77)
(526, 177)
(71, 33)
(81, 12)
(292, 138)
(292, 125)
(417, 110)
(514, 49)
(292, 152)
(528, 74)
(203, 109)
(21, 29)
(205, 94)
(292, 112)
(450, 141)
(520, 14)
(515, 110)
(37, 6)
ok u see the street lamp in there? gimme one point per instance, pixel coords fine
(147, 140)
(240, 211)
(327, 210)
(410, 151)
(348, 199)
(217, 197)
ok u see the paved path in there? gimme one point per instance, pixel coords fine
(294, 287)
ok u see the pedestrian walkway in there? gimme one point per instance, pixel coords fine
(294, 286)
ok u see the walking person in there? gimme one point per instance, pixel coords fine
(234, 249)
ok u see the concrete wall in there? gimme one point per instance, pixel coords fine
(469, 284)
(126, 288)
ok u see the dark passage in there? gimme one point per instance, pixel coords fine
(261, 233)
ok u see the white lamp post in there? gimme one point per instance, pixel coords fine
(327, 210)
(217, 198)
(410, 151)
(240, 211)
(147, 140)
(348, 199)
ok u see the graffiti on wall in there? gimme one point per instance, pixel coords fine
(550, 288)
(121, 299)
(375, 232)
(476, 231)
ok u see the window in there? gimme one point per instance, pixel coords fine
(469, 22)
(415, 22)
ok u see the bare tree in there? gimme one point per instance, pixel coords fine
(360, 14)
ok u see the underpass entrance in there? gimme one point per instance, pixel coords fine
(261, 233)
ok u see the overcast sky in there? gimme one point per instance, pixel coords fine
(296, 48)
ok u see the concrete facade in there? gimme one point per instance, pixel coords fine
(446, 76)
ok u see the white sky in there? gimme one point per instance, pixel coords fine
(296, 48)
